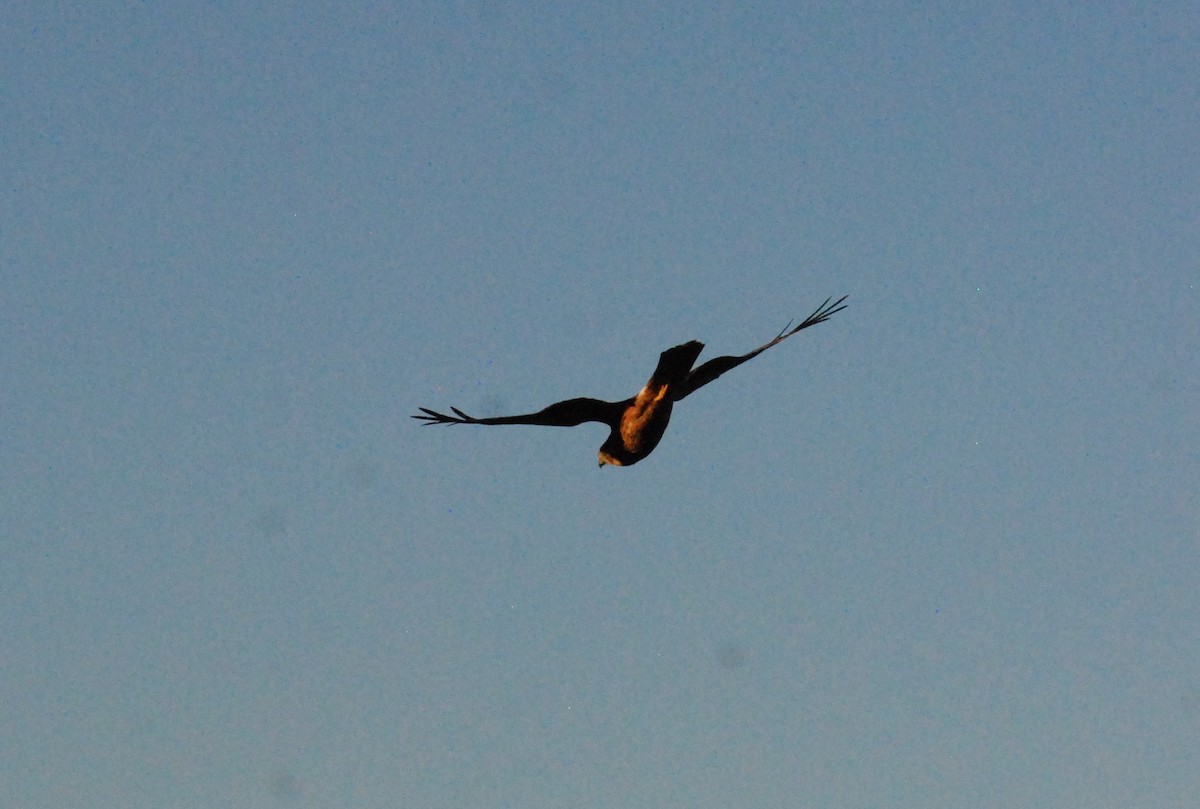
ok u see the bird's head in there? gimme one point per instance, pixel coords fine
(605, 458)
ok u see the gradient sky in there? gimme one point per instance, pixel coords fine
(941, 551)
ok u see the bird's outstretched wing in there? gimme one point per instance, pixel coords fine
(712, 369)
(561, 414)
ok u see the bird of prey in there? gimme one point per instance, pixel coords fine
(637, 424)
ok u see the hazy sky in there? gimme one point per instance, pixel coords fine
(941, 551)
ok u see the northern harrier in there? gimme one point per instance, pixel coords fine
(637, 424)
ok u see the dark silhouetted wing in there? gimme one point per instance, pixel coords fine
(712, 369)
(561, 414)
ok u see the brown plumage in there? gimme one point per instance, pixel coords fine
(637, 424)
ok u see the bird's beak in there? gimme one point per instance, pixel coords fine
(601, 465)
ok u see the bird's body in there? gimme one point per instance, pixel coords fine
(637, 424)
(645, 417)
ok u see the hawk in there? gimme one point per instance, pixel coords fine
(637, 424)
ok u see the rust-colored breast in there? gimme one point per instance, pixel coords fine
(646, 419)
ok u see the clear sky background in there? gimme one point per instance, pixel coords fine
(941, 551)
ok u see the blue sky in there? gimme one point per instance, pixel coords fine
(941, 551)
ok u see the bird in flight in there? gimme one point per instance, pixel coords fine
(638, 423)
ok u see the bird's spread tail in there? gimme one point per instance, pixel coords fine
(675, 364)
